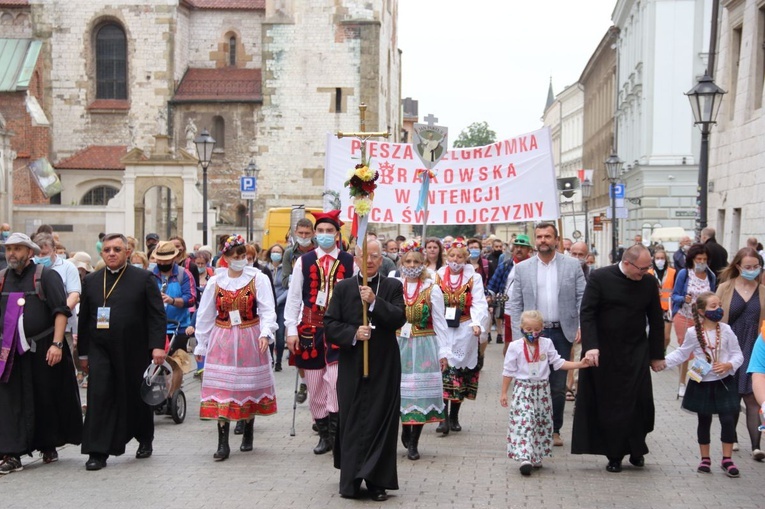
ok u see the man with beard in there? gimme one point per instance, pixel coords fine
(39, 398)
(121, 330)
(614, 405)
(369, 407)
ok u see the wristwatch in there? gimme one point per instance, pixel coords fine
(58, 344)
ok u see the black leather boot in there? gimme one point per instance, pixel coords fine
(412, 452)
(223, 448)
(406, 435)
(443, 426)
(247, 436)
(323, 446)
(334, 422)
(239, 428)
(454, 415)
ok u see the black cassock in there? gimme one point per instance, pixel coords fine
(118, 357)
(39, 404)
(365, 446)
(614, 402)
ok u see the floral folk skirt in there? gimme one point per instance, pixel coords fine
(530, 426)
(462, 383)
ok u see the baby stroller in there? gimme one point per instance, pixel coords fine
(175, 404)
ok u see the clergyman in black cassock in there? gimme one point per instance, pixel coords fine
(614, 405)
(117, 356)
(365, 446)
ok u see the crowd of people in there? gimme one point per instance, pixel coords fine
(383, 336)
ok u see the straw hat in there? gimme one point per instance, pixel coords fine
(165, 251)
(82, 260)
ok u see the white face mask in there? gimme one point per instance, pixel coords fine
(660, 264)
(237, 265)
(455, 267)
(303, 242)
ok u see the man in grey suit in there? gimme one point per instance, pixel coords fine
(553, 284)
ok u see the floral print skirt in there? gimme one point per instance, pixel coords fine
(530, 426)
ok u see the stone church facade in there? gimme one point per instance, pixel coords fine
(268, 78)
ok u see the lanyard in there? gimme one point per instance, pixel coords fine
(106, 295)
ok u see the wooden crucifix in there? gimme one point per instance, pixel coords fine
(363, 135)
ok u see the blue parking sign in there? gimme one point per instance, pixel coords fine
(617, 191)
(248, 184)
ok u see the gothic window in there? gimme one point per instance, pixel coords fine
(232, 51)
(219, 132)
(99, 195)
(111, 63)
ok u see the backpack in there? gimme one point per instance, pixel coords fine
(38, 289)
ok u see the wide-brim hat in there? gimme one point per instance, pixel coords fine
(82, 260)
(22, 239)
(165, 251)
(522, 240)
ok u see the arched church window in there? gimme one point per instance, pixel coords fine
(232, 51)
(219, 132)
(99, 195)
(111, 62)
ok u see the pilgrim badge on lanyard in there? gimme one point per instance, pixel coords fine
(450, 313)
(406, 331)
(321, 298)
(102, 317)
(235, 317)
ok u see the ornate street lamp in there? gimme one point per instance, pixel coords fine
(205, 145)
(613, 169)
(705, 98)
(252, 170)
(586, 188)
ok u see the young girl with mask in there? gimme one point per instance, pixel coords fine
(465, 311)
(527, 363)
(423, 347)
(711, 386)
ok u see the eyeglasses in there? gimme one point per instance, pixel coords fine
(751, 267)
(641, 269)
(112, 250)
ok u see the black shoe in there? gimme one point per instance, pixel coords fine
(49, 456)
(412, 453)
(324, 445)
(96, 462)
(499, 339)
(614, 466)
(144, 450)
(637, 461)
(247, 436)
(454, 423)
(406, 435)
(302, 394)
(278, 366)
(488, 338)
(443, 426)
(11, 464)
(223, 449)
(378, 495)
(239, 429)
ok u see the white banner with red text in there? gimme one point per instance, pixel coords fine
(505, 182)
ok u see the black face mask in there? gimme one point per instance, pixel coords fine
(164, 267)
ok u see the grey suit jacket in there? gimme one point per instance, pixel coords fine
(570, 290)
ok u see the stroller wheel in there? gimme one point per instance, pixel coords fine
(178, 405)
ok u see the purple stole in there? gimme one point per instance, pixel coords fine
(11, 340)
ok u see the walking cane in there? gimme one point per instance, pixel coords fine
(294, 402)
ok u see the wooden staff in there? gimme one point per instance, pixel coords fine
(364, 317)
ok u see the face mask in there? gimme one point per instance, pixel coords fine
(303, 242)
(455, 267)
(475, 253)
(237, 265)
(62, 256)
(750, 275)
(152, 266)
(412, 272)
(164, 267)
(591, 265)
(393, 256)
(276, 257)
(6, 235)
(714, 316)
(660, 264)
(325, 240)
(700, 267)
(531, 336)
(685, 248)
(45, 261)
(138, 265)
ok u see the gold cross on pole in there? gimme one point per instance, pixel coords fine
(363, 135)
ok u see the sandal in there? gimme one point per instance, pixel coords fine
(570, 395)
(730, 468)
(705, 466)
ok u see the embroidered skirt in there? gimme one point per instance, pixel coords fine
(530, 425)
(718, 397)
(462, 383)
(238, 382)
(421, 382)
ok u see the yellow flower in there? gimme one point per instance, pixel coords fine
(363, 206)
(364, 173)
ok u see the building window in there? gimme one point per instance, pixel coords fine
(111, 63)
(759, 77)
(232, 51)
(219, 132)
(735, 60)
(99, 195)
(338, 100)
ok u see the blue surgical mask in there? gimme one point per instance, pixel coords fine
(325, 240)
(152, 266)
(475, 253)
(750, 275)
(6, 234)
(45, 261)
(276, 257)
(138, 265)
(715, 315)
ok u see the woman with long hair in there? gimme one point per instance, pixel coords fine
(434, 254)
(743, 298)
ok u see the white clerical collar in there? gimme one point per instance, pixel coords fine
(621, 268)
(116, 271)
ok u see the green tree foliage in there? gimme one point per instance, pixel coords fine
(477, 134)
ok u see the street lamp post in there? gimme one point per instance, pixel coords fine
(586, 188)
(205, 145)
(252, 170)
(613, 168)
(705, 99)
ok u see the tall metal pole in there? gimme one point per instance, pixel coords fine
(204, 204)
(703, 176)
(586, 225)
(614, 235)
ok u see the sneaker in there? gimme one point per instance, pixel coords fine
(526, 467)
(681, 391)
(10, 464)
(49, 456)
(557, 440)
(758, 455)
(735, 446)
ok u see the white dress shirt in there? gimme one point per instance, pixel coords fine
(547, 289)
(294, 306)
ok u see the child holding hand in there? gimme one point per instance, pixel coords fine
(711, 387)
(528, 361)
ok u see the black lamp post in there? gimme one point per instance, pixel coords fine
(205, 145)
(586, 188)
(705, 99)
(252, 170)
(613, 168)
